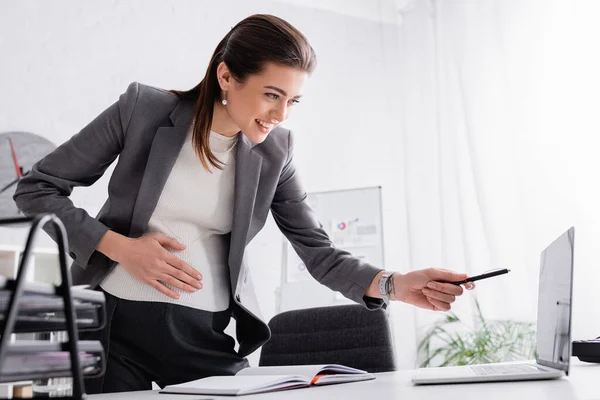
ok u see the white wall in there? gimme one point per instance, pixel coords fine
(65, 61)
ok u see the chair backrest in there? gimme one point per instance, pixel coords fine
(349, 334)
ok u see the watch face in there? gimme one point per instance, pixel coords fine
(18, 152)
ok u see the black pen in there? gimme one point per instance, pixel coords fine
(485, 275)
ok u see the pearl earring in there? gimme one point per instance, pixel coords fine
(224, 102)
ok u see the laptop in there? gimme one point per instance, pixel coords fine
(553, 347)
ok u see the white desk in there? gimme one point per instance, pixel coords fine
(582, 384)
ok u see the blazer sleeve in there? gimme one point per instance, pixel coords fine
(80, 161)
(333, 267)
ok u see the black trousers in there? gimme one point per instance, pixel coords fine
(161, 342)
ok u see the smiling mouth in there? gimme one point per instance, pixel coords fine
(266, 125)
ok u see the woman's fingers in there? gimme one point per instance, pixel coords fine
(449, 288)
(186, 268)
(439, 274)
(148, 261)
(163, 289)
(182, 271)
(443, 297)
(183, 277)
(439, 305)
(165, 240)
(171, 280)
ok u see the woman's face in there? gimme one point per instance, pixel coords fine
(263, 101)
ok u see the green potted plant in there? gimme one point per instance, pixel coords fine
(452, 342)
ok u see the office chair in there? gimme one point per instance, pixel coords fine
(348, 334)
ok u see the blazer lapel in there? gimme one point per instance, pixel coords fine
(165, 148)
(247, 173)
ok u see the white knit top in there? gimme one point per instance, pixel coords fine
(196, 208)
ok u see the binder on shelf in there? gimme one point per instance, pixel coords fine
(35, 307)
(40, 310)
(27, 360)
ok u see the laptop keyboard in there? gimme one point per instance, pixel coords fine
(483, 370)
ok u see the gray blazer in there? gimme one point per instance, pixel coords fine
(146, 129)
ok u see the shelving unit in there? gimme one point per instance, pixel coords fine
(38, 307)
(44, 267)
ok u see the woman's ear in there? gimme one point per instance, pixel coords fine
(223, 76)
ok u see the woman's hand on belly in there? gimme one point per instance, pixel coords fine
(147, 260)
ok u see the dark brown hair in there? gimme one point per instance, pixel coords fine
(253, 42)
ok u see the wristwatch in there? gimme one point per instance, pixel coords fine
(385, 286)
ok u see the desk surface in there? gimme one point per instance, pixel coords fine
(581, 384)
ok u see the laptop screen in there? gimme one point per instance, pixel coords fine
(554, 303)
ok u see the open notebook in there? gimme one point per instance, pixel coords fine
(267, 379)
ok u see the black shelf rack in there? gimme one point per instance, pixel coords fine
(18, 287)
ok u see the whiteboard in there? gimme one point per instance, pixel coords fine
(353, 220)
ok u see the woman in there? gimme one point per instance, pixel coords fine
(197, 174)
